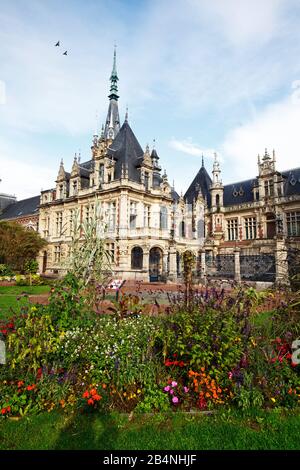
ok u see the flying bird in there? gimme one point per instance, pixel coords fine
(57, 44)
(65, 53)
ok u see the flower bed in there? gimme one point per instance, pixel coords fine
(219, 352)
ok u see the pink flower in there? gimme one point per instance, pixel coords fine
(174, 384)
(175, 400)
(166, 389)
(230, 375)
(185, 389)
(171, 391)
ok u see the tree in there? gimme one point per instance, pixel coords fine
(18, 245)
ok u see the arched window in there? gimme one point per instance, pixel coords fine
(137, 258)
(218, 200)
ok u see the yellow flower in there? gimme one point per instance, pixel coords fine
(139, 391)
(273, 400)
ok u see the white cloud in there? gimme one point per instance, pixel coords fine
(275, 127)
(188, 147)
(244, 21)
(23, 178)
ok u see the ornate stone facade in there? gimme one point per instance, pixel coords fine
(148, 225)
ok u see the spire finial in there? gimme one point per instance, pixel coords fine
(114, 79)
(126, 115)
(153, 144)
(202, 160)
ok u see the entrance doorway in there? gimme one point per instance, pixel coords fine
(155, 264)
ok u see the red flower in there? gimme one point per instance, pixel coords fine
(97, 397)
(8, 409)
(86, 394)
(31, 387)
(3, 411)
(20, 383)
(90, 401)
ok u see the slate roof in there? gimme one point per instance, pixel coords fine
(22, 208)
(239, 193)
(202, 182)
(242, 191)
(175, 195)
(126, 151)
(292, 183)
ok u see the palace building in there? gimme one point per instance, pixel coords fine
(234, 230)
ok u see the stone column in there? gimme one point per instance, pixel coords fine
(237, 266)
(146, 263)
(172, 266)
(281, 263)
(165, 264)
(203, 265)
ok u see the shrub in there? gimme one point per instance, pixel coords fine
(5, 270)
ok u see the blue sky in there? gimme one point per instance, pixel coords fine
(197, 76)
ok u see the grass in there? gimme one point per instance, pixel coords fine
(8, 298)
(260, 430)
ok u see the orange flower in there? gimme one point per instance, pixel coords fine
(86, 394)
(20, 383)
(97, 397)
(90, 401)
(104, 386)
(93, 391)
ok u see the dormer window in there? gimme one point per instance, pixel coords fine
(147, 178)
(269, 188)
(101, 173)
(75, 188)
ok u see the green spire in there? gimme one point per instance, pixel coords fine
(114, 80)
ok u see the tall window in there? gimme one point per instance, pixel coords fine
(147, 215)
(182, 229)
(133, 215)
(57, 253)
(163, 218)
(110, 249)
(293, 224)
(250, 227)
(111, 215)
(59, 221)
(269, 188)
(232, 229)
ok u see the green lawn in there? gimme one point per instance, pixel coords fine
(261, 430)
(8, 298)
